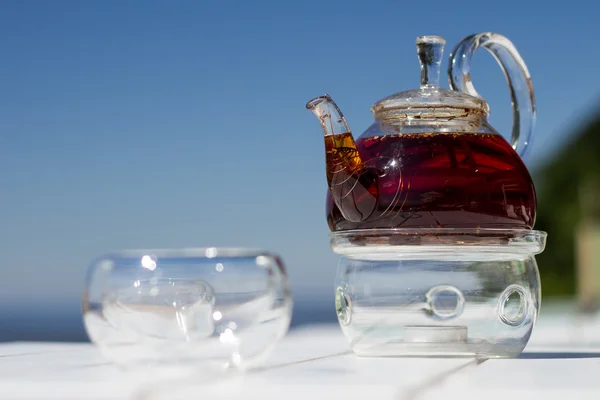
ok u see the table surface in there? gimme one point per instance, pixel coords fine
(562, 360)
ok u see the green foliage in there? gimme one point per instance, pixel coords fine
(560, 208)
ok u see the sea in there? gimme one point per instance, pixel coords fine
(64, 323)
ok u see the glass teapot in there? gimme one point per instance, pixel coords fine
(431, 159)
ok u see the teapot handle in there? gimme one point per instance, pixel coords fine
(515, 71)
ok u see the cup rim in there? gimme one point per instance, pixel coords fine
(191, 252)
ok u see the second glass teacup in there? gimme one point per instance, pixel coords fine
(210, 307)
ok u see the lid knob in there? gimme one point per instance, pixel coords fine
(430, 50)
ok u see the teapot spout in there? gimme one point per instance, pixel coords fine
(329, 115)
(339, 143)
(352, 188)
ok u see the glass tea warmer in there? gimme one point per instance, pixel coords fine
(432, 212)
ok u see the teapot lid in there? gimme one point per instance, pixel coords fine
(429, 101)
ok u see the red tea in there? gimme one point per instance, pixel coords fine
(427, 180)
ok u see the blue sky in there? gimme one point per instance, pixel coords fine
(167, 124)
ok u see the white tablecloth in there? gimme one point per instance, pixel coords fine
(562, 361)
